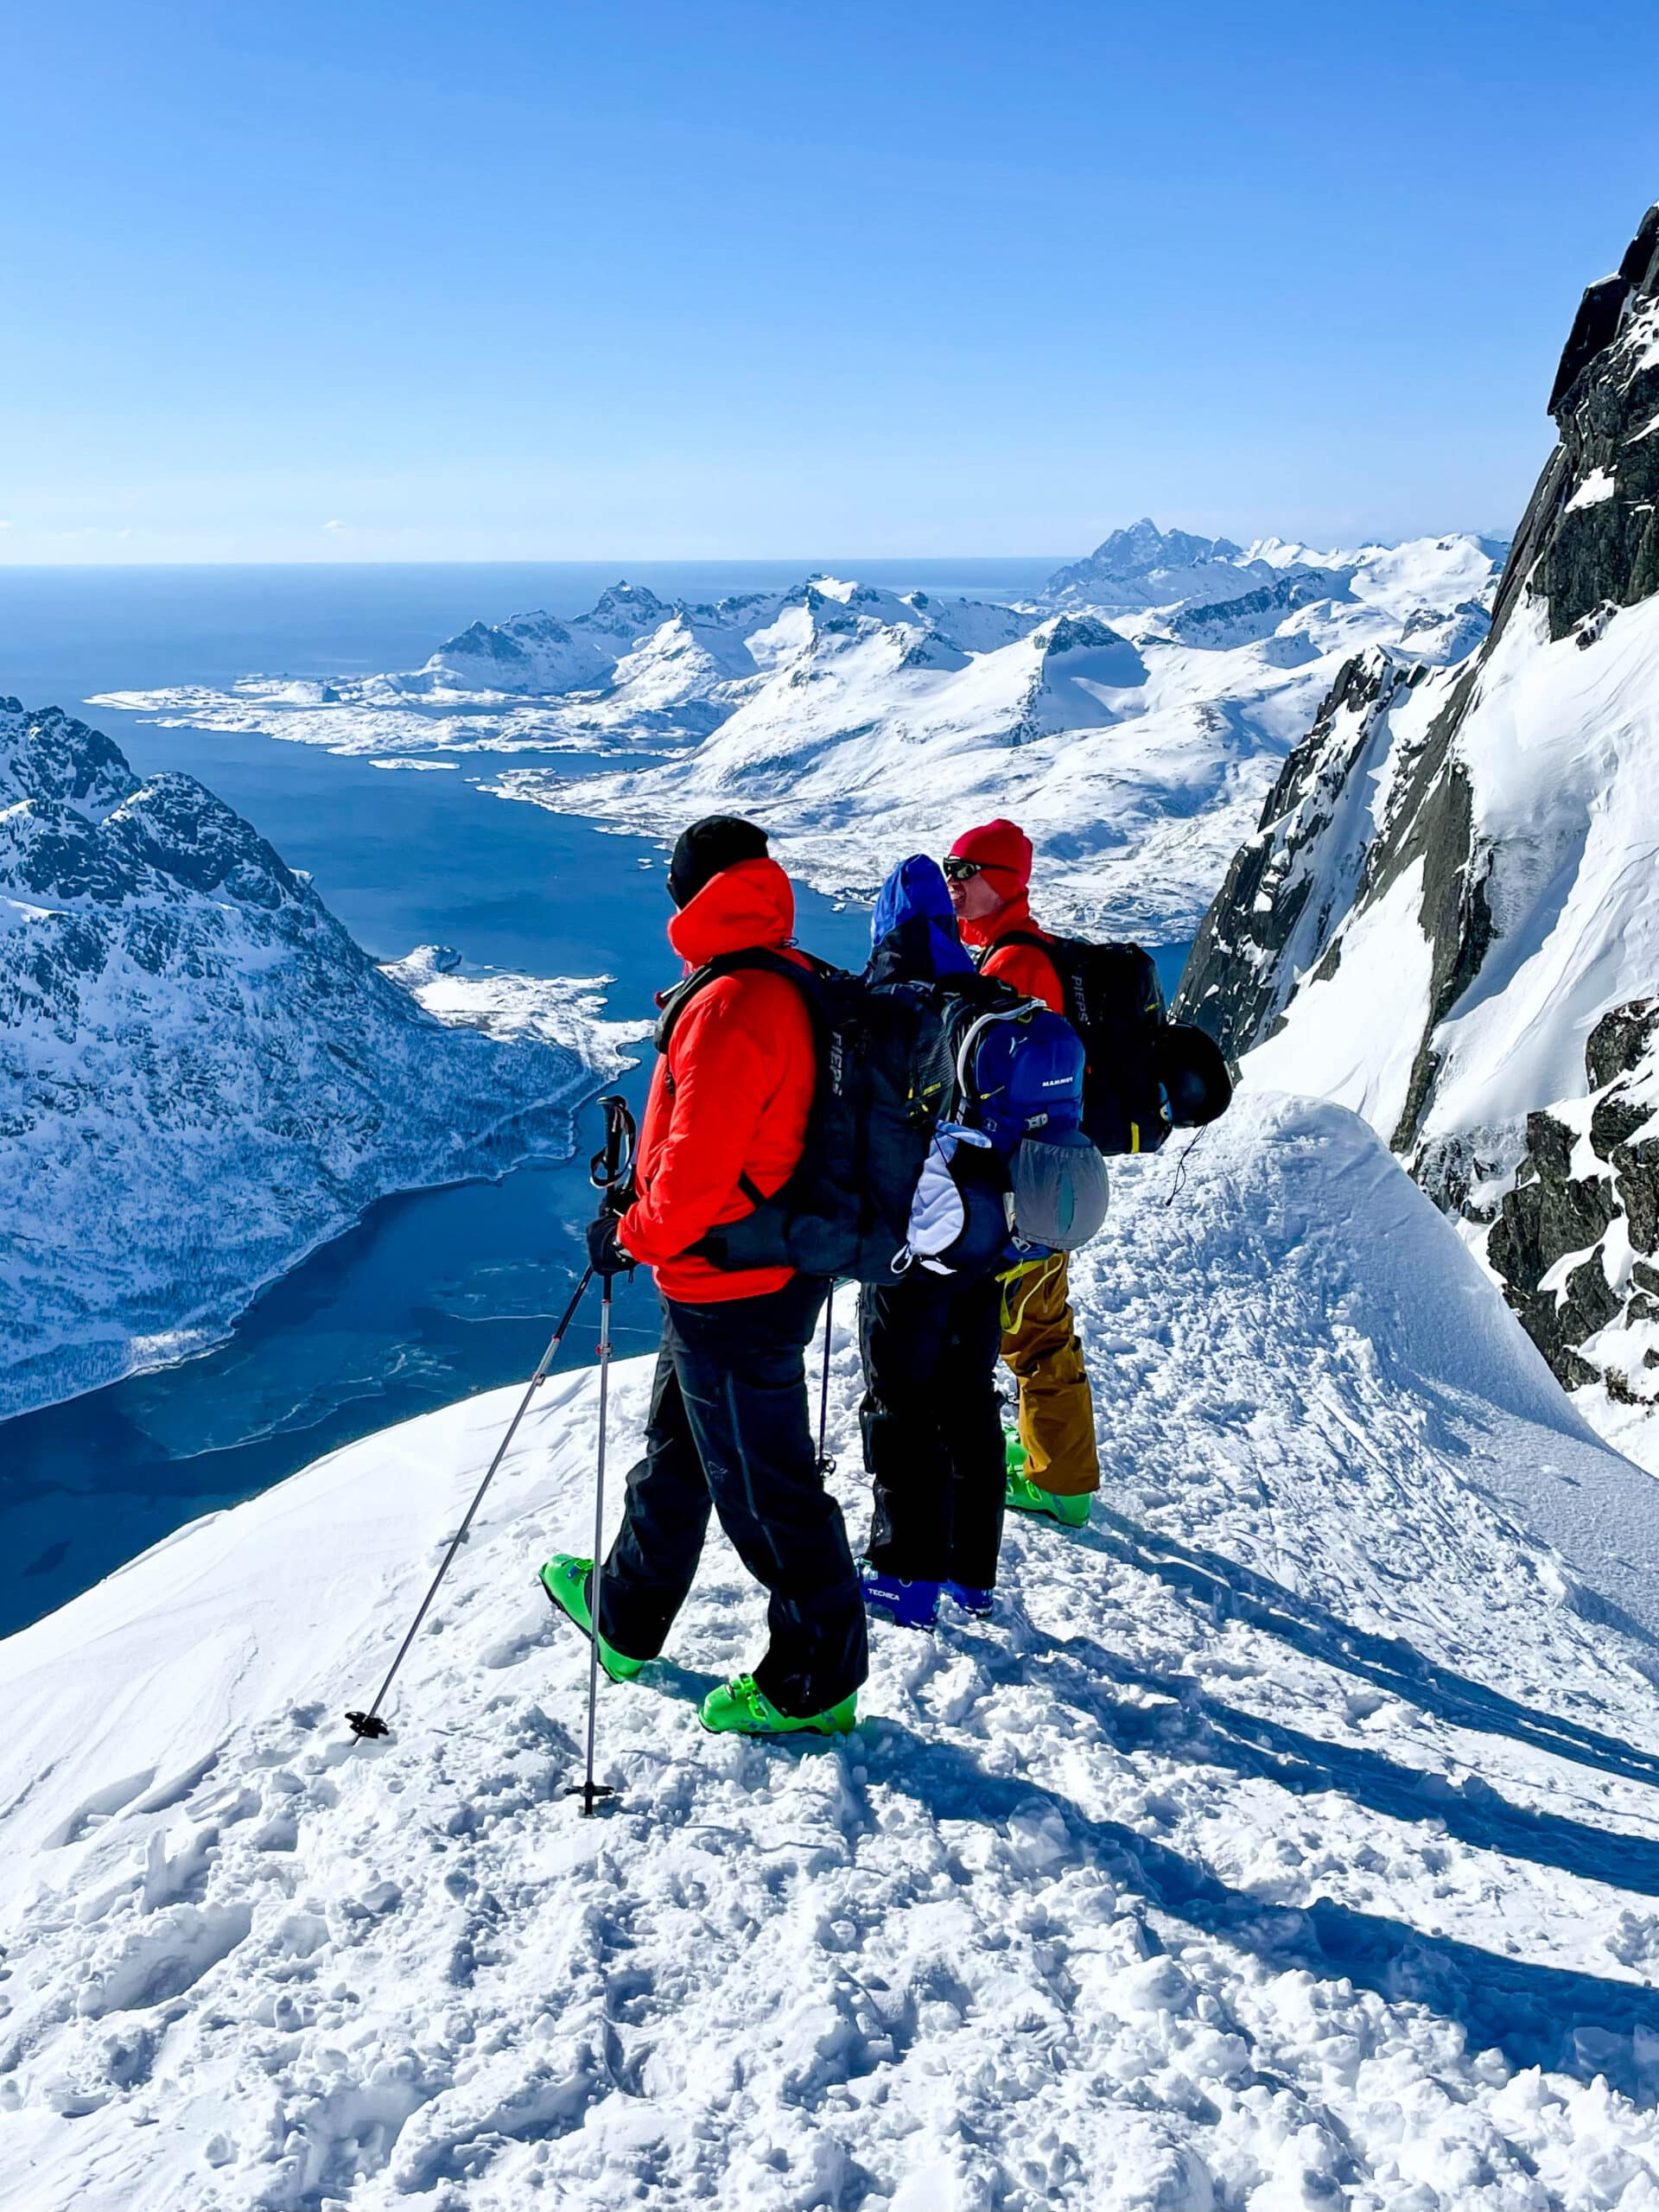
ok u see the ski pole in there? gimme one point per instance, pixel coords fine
(370, 1724)
(826, 1462)
(608, 1173)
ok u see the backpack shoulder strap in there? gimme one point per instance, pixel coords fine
(758, 956)
(1034, 938)
(1059, 952)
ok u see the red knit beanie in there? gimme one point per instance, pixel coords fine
(1002, 848)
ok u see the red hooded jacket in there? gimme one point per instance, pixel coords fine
(1022, 965)
(731, 1095)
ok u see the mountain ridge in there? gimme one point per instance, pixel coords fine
(197, 1051)
(1451, 888)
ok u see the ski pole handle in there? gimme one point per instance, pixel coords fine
(610, 1166)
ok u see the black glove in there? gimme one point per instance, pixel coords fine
(604, 1252)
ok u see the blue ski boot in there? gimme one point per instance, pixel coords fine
(906, 1604)
(977, 1602)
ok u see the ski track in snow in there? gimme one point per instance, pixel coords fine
(1289, 1839)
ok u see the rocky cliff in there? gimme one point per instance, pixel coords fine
(1448, 917)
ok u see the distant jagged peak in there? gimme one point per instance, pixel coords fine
(1071, 633)
(1143, 547)
(626, 602)
(622, 610)
(1143, 566)
(502, 640)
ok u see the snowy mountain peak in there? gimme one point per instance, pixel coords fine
(1143, 547)
(626, 603)
(1144, 566)
(47, 754)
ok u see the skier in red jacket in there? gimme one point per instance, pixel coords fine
(988, 870)
(729, 1425)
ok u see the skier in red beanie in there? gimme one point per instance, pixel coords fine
(988, 870)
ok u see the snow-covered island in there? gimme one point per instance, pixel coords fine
(204, 1076)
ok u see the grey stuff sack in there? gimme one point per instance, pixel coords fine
(1059, 1190)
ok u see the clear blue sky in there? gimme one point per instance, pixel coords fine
(389, 279)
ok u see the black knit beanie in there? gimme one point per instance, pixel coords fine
(718, 841)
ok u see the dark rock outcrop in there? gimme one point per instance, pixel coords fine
(1301, 872)
(1577, 1186)
(1575, 552)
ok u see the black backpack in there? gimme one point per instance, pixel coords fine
(1146, 1074)
(886, 1079)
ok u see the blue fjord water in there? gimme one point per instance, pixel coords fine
(434, 1295)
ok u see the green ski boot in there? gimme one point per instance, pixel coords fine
(566, 1579)
(1023, 1496)
(739, 1708)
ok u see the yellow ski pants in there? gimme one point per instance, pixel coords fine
(1057, 1414)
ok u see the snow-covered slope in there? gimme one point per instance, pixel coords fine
(1289, 1840)
(860, 722)
(201, 1075)
(1456, 879)
(1135, 751)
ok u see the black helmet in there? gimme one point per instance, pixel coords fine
(1194, 1075)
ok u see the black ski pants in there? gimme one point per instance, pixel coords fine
(728, 1428)
(933, 1424)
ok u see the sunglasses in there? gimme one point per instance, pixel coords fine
(957, 869)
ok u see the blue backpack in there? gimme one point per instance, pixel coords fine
(1012, 1175)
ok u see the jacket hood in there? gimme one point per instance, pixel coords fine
(751, 903)
(1014, 914)
(913, 930)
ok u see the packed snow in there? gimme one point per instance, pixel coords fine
(1289, 1839)
(206, 1077)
